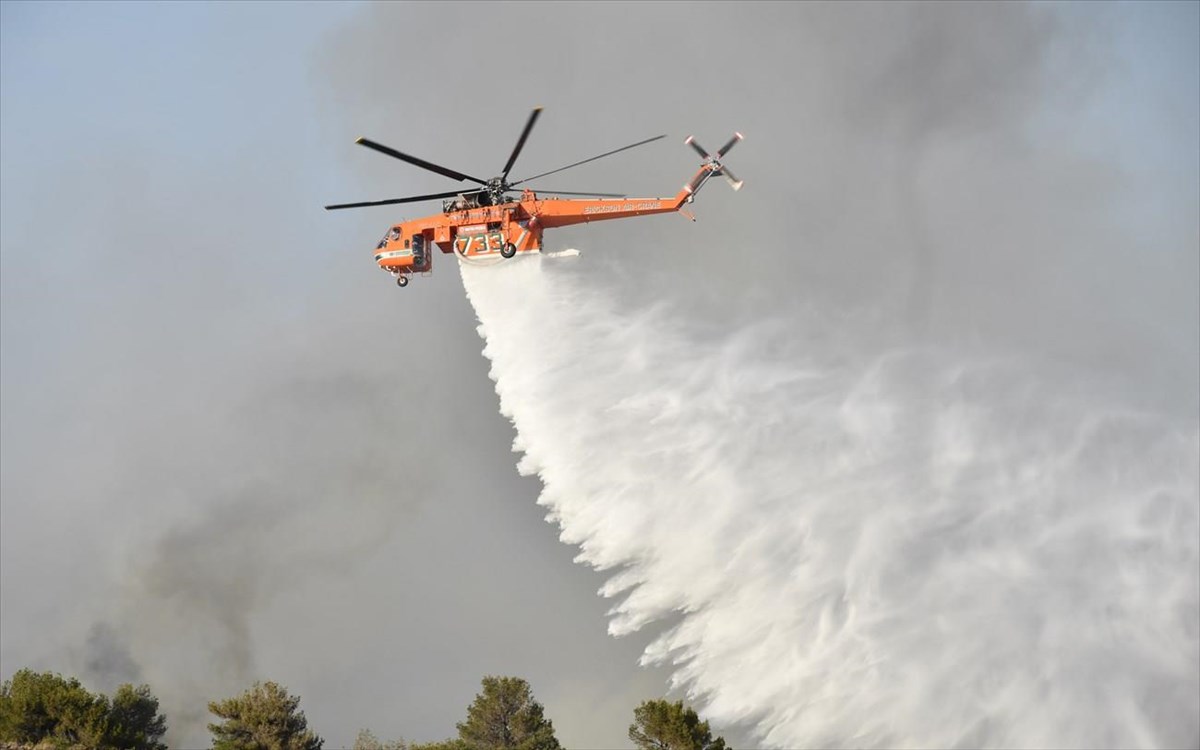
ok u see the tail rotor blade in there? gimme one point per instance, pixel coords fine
(732, 142)
(699, 149)
(734, 182)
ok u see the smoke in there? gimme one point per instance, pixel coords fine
(904, 549)
(107, 661)
(189, 611)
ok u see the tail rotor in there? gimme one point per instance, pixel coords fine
(712, 164)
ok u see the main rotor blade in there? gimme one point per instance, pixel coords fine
(567, 192)
(418, 162)
(521, 141)
(585, 161)
(393, 201)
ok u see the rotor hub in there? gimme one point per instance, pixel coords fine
(495, 189)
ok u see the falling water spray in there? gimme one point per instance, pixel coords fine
(905, 549)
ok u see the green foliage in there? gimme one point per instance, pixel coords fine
(366, 740)
(504, 717)
(443, 745)
(659, 725)
(265, 717)
(133, 720)
(38, 707)
(43, 707)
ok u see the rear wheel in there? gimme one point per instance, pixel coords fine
(401, 280)
(509, 250)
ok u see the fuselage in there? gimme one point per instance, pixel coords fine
(505, 229)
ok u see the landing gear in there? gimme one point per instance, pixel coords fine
(509, 250)
(402, 280)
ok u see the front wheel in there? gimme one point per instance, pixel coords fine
(402, 281)
(509, 250)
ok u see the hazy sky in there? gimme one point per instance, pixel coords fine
(233, 450)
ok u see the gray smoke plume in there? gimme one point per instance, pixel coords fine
(107, 661)
(185, 616)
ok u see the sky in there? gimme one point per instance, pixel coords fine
(232, 450)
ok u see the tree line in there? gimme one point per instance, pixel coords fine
(47, 710)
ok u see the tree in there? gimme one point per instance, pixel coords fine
(367, 740)
(660, 725)
(133, 720)
(265, 717)
(49, 708)
(506, 717)
(454, 744)
(39, 707)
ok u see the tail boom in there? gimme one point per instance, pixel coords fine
(556, 212)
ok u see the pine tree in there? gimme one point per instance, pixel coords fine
(133, 720)
(660, 725)
(505, 716)
(265, 717)
(44, 707)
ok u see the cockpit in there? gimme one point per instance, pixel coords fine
(393, 234)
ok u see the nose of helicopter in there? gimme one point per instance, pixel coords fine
(392, 255)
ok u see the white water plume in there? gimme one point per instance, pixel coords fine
(902, 551)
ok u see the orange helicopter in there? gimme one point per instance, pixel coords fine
(486, 224)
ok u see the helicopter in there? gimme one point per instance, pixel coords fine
(487, 224)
